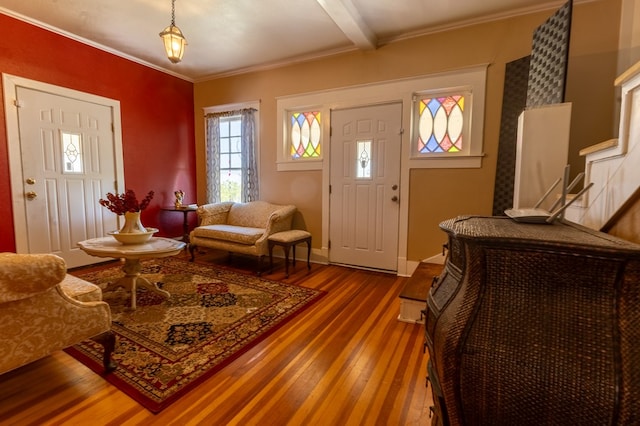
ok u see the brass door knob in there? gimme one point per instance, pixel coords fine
(31, 195)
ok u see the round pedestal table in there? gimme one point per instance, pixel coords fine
(156, 247)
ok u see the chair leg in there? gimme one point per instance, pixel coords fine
(108, 342)
(286, 248)
(192, 251)
(259, 272)
(270, 257)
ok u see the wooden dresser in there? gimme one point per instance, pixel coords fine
(534, 324)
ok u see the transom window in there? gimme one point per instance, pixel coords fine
(305, 134)
(442, 123)
(438, 107)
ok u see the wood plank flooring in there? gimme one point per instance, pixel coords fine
(346, 360)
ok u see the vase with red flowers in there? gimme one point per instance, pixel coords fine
(127, 205)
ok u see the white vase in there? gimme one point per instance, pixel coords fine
(132, 223)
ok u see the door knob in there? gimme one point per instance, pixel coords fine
(394, 187)
(31, 195)
(394, 198)
(31, 181)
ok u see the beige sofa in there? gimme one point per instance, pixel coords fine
(43, 309)
(240, 227)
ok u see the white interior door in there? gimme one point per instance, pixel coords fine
(365, 186)
(67, 162)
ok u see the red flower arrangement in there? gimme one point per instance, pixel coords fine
(126, 202)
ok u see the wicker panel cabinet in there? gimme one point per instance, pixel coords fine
(534, 324)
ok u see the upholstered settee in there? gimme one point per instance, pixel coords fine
(240, 227)
(43, 309)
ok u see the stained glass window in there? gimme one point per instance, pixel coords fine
(71, 152)
(441, 122)
(363, 159)
(305, 134)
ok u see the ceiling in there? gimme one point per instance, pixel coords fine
(232, 36)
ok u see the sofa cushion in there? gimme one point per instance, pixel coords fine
(253, 215)
(80, 289)
(230, 233)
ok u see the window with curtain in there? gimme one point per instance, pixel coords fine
(231, 165)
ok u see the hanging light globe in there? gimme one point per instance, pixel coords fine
(174, 41)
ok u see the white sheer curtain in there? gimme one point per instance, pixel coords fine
(250, 187)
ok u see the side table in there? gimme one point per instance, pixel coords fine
(156, 247)
(185, 222)
(286, 240)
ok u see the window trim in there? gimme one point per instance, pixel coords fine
(285, 161)
(467, 93)
(237, 106)
(232, 107)
(472, 78)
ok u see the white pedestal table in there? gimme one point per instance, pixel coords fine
(156, 247)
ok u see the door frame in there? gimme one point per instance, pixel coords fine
(405, 267)
(10, 84)
(403, 90)
(397, 182)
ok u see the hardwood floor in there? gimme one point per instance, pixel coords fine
(346, 360)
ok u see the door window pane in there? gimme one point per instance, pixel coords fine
(363, 160)
(71, 152)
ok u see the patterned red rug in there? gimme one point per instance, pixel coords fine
(165, 347)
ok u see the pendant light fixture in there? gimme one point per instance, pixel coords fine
(174, 41)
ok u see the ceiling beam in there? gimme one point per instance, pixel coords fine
(350, 22)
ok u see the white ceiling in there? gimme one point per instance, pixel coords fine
(230, 36)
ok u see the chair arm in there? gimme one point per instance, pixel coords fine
(23, 275)
(213, 214)
(280, 220)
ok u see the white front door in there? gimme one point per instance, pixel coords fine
(67, 155)
(365, 186)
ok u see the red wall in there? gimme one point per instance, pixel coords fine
(156, 112)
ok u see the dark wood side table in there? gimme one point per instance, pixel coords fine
(185, 223)
(286, 240)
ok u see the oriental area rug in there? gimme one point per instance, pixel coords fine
(165, 347)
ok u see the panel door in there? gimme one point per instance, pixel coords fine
(68, 164)
(365, 186)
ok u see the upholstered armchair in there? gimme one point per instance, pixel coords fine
(43, 309)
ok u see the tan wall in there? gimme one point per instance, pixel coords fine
(590, 78)
(629, 45)
(435, 194)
